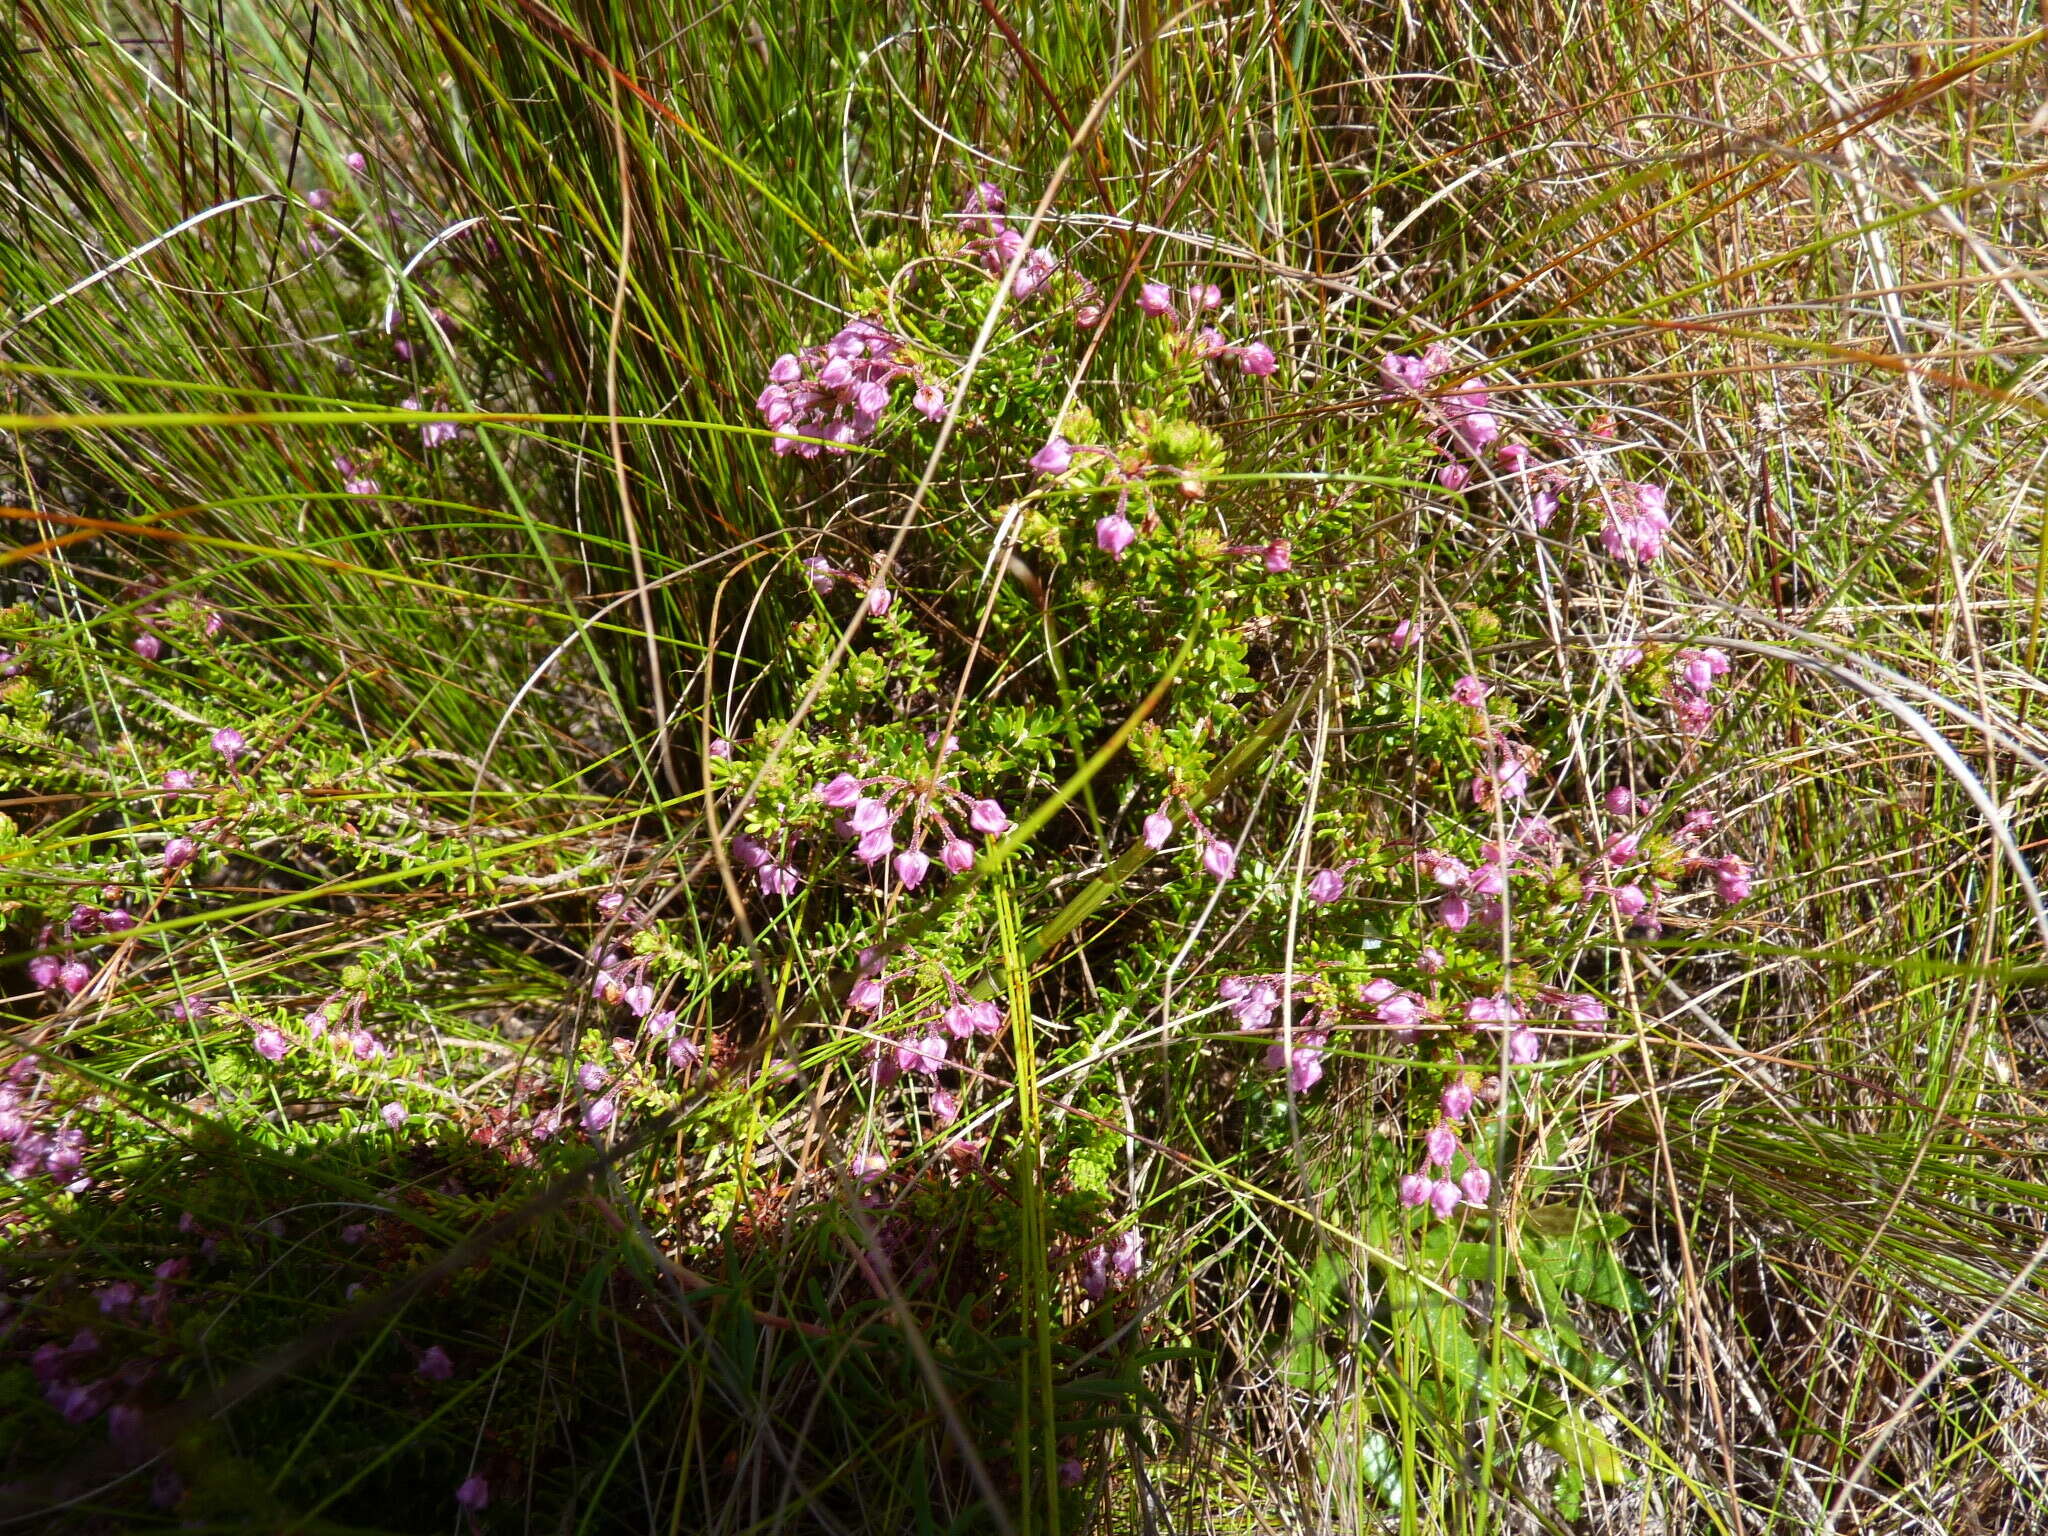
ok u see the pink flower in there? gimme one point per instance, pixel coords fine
(959, 1020)
(945, 1107)
(1414, 1189)
(600, 1114)
(178, 781)
(1513, 458)
(435, 1364)
(1403, 1010)
(721, 749)
(930, 401)
(874, 846)
(1476, 1184)
(73, 976)
(1114, 534)
(1636, 522)
(1205, 296)
(911, 867)
(1158, 828)
(866, 996)
(1404, 634)
(1629, 900)
(987, 818)
(957, 854)
(1731, 880)
(1454, 912)
(1155, 298)
(592, 1076)
(474, 1495)
(1279, 557)
(639, 999)
(147, 646)
(395, 1114)
(1457, 1099)
(866, 1167)
(776, 880)
(271, 1043)
(1469, 691)
(1701, 669)
(1257, 360)
(1439, 1146)
(1581, 1009)
(229, 743)
(879, 598)
(684, 1054)
(1524, 1046)
(1622, 848)
(1497, 1008)
(1055, 458)
(1621, 801)
(926, 1054)
(1444, 1196)
(1326, 887)
(1219, 858)
(1454, 477)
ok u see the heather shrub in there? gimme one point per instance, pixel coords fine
(708, 859)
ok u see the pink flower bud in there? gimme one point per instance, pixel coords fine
(1055, 458)
(1158, 828)
(987, 818)
(179, 852)
(356, 162)
(43, 969)
(178, 781)
(1454, 477)
(874, 846)
(73, 976)
(841, 792)
(1620, 801)
(1405, 633)
(879, 599)
(911, 867)
(1219, 858)
(1114, 534)
(957, 854)
(147, 646)
(945, 1107)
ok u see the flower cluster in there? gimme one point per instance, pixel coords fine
(43, 1142)
(924, 1049)
(1115, 1262)
(1635, 520)
(1298, 1053)
(1693, 675)
(1202, 340)
(875, 805)
(1219, 855)
(829, 398)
